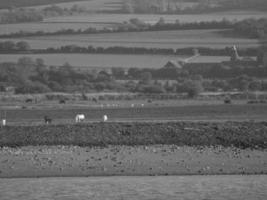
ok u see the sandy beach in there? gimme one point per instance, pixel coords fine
(67, 161)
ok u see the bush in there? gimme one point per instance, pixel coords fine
(32, 87)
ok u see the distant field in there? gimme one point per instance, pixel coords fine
(47, 27)
(26, 3)
(193, 113)
(153, 18)
(108, 20)
(153, 39)
(91, 5)
(107, 60)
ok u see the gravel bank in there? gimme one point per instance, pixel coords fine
(47, 161)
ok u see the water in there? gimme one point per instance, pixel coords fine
(138, 188)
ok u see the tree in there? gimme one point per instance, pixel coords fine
(146, 77)
(118, 72)
(241, 82)
(25, 67)
(22, 46)
(8, 45)
(254, 85)
(193, 88)
(161, 21)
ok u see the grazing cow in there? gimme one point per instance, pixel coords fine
(94, 100)
(47, 120)
(79, 118)
(28, 100)
(62, 101)
(4, 122)
(227, 100)
(105, 118)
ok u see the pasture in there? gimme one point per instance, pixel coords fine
(90, 5)
(154, 18)
(47, 27)
(107, 60)
(66, 115)
(151, 39)
(26, 3)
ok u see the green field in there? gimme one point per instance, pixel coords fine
(236, 112)
(152, 39)
(107, 60)
(26, 3)
(109, 20)
(46, 27)
(153, 18)
(90, 5)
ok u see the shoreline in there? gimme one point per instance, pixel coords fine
(152, 160)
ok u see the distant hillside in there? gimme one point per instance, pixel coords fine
(191, 6)
(24, 3)
(244, 4)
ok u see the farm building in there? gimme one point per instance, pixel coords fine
(173, 64)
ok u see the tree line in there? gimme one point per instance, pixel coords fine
(133, 25)
(252, 28)
(199, 6)
(9, 4)
(34, 76)
(24, 47)
(22, 15)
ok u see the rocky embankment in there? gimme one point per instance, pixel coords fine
(102, 149)
(238, 134)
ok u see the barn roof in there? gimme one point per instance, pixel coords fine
(172, 64)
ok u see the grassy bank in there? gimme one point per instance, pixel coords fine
(237, 134)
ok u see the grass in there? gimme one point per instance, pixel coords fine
(46, 27)
(239, 134)
(153, 18)
(92, 5)
(66, 114)
(26, 3)
(153, 39)
(107, 60)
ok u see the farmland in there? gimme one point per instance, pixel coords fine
(46, 27)
(90, 5)
(107, 60)
(212, 38)
(26, 3)
(63, 115)
(85, 21)
(154, 18)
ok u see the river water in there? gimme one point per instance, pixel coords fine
(136, 188)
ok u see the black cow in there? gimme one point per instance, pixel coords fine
(62, 101)
(94, 100)
(47, 120)
(28, 100)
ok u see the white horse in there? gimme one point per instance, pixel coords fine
(105, 118)
(79, 118)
